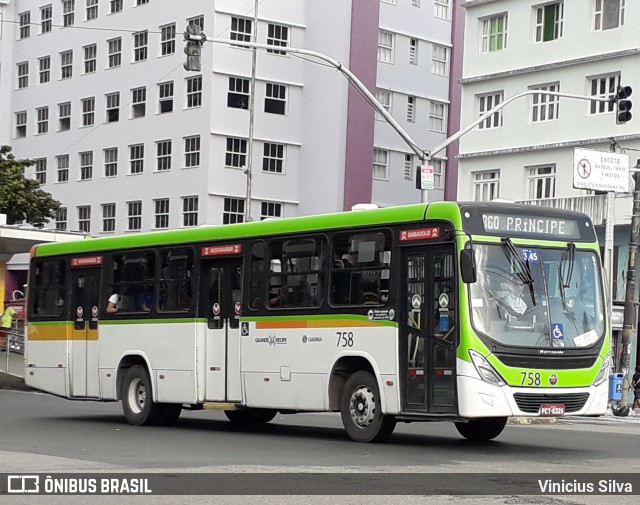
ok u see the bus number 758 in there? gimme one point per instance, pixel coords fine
(345, 339)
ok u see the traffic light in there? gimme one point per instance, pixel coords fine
(623, 104)
(193, 48)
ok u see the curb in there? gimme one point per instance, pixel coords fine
(10, 381)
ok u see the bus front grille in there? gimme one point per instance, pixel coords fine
(530, 402)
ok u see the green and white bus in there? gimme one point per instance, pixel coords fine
(447, 311)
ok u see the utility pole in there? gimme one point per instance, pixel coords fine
(630, 292)
(252, 104)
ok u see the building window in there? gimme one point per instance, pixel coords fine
(165, 97)
(408, 167)
(168, 39)
(90, 54)
(25, 24)
(45, 19)
(277, 35)
(63, 168)
(275, 101)
(197, 21)
(21, 124)
(140, 40)
(380, 164)
(86, 166)
(413, 51)
(161, 207)
(486, 103)
(241, 29)
(41, 170)
(142, 2)
(441, 9)
(64, 116)
(438, 117)
(194, 92)
(233, 211)
(92, 9)
(43, 120)
(236, 154)
(138, 102)
(238, 95)
(486, 185)
(66, 65)
(108, 217)
(88, 111)
(111, 162)
(163, 152)
(135, 215)
(545, 107)
(45, 69)
(61, 218)
(385, 46)
(542, 182)
(440, 60)
(603, 87)
(116, 6)
(270, 210)
(438, 173)
(549, 21)
(136, 158)
(273, 158)
(23, 74)
(608, 14)
(115, 52)
(84, 218)
(384, 98)
(192, 151)
(190, 211)
(113, 107)
(494, 34)
(411, 109)
(68, 16)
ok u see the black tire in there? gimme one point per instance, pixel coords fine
(170, 415)
(137, 398)
(480, 430)
(250, 416)
(361, 410)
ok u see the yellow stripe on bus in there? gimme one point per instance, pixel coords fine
(59, 332)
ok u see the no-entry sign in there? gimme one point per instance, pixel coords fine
(600, 171)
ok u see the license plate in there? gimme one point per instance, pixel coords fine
(551, 409)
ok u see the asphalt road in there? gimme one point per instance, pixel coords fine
(41, 433)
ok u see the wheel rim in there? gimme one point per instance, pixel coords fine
(362, 407)
(137, 397)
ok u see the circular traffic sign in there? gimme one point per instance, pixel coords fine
(584, 168)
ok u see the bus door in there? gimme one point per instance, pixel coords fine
(429, 329)
(220, 297)
(85, 309)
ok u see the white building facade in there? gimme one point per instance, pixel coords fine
(525, 152)
(95, 92)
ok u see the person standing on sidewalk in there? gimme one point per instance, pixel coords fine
(5, 325)
(635, 384)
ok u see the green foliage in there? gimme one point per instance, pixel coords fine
(21, 199)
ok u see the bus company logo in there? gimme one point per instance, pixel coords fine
(420, 233)
(272, 340)
(306, 339)
(22, 484)
(549, 352)
(553, 379)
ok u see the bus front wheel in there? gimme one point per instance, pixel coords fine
(361, 410)
(250, 416)
(478, 430)
(137, 399)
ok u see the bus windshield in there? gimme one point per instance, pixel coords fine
(537, 297)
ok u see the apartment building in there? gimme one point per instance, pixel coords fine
(129, 141)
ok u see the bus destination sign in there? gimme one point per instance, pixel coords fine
(531, 225)
(86, 261)
(221, 250)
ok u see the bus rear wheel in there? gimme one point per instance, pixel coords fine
(250, 416)
(137, 398)
(361, 410)
(478, 430)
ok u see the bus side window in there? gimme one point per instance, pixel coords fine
(175, 280)
(257, 276)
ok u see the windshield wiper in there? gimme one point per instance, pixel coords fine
(566, 283)
(523, 271)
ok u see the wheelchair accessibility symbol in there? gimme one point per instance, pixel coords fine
(558, 331)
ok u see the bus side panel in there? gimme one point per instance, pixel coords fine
(47, 358)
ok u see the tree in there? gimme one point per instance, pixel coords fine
(21, 199)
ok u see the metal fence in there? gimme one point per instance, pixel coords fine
(13, 348)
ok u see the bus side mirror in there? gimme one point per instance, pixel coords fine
(468, 266)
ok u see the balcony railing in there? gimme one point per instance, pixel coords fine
(594, 206)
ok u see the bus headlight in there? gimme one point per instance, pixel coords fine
(604, 371)
(485, 369)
